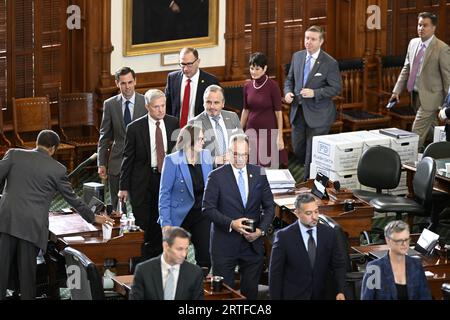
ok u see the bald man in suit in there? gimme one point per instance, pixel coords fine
(426, 75)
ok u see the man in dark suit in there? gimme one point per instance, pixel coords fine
(169, 276)
(444, 115)
(185, 88)
(140, 172)
(32, 178)
(303, 254)
(118, 112)
(313, 80)
(214, 116)
(235, 194)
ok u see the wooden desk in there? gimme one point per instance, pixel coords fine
(441, 182)
(122, 285)
(439, 266)
(352, 222)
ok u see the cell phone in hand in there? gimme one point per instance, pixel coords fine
(391, 104)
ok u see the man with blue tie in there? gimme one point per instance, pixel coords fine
(304, 254)
(236, 194)
(313, 80)
(118, 112)
(444, 115)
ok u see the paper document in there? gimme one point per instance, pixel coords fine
(73, 239)
(428, 239)
(285, 201)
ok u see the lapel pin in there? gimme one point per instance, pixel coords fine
(251, 176)
(203, 81)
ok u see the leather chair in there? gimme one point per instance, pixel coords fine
(31, 115)
(421, 205)
(234, 96)
(77, 122)
(91, 285)
(379, 168)
(437, 150)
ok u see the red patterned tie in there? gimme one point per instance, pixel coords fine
(415, 68)
(185, 107)
(159, 146)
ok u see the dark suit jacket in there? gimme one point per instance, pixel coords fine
(135, 173)
(112, 130)
(148, 285)
(32, 179)
(290, 273)
(173, 91)
(222, 203)
(446, 106)
(324, 78)
(416, 281)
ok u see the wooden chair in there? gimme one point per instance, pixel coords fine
(77, 122)
(389, 67)
(355, 109)
(5, 144)
(31, 115)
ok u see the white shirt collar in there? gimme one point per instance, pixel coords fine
(153, 121)
(132, 99)
(194, 79)
(427, 43)
(314, 55)
(167, 266)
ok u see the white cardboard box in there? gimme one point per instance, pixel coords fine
(336, 152)
(439, 134)
(347, 179)
(406, 147)
(368, 139)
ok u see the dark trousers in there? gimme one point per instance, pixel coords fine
(302, 136)
(199, 227)
(146, 215)
(250, 268)
(113, 181)
(18, 255)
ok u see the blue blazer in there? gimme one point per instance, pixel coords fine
(416, 281)
(222, 203)
(176, 192)
(291, 276)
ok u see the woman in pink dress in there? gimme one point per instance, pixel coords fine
(262, 118)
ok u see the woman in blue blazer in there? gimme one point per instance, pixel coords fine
(396, 276)
(183, 180)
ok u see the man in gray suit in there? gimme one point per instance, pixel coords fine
(32, 179)
(426, 75)
(118, 112)
(169, 276)
(313, 80)
(218, 125)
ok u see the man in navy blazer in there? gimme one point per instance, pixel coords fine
(303, 254)
(313, 80)
(444, 115)
(235, 193)
(139, 173)
(176, 84)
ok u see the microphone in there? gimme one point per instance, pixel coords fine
(82, 165)
(337, 186)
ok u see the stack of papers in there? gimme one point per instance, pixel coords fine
(280, 179)
(397, 133)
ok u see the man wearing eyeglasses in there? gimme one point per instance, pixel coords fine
(304, 254)
(239, 203)
(185, 88)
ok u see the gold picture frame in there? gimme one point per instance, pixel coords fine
(139, 40)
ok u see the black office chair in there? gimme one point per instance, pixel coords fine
(421, 205)
(89, 286)
(437, 150)
(380, 168)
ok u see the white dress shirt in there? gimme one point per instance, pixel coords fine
(130, 105)
(193, 94)
(152, 131)
(165, 273)
(313, 59)
(305, 234)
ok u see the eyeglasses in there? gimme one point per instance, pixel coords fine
(400, 241)
(240, 155)
(188, 64)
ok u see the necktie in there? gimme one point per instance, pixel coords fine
(307, 69)
(415, 68)
(185, 107)
(241, 185)
(169, 290)
(159, 146)
(311, 248)
(221, 145)
(127, 114)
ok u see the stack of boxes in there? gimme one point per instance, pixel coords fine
(337, 155)
(439, 133)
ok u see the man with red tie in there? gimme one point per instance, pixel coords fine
(185, 88)
(147, 141)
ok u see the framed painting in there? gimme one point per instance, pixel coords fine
(166, 26)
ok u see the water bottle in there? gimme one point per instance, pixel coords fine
(131, 219)
(123, 224)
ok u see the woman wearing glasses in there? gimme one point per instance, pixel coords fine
(396, 276)
(183, 180)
